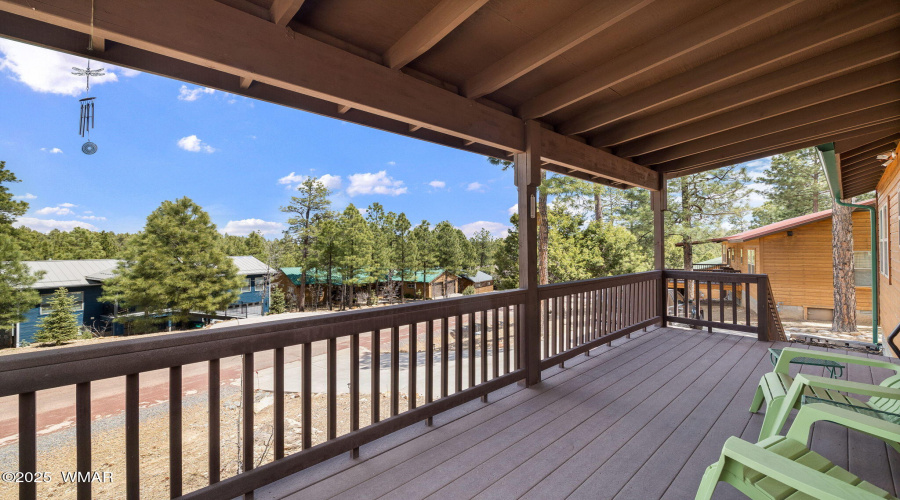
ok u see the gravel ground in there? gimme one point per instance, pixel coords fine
(56, 451)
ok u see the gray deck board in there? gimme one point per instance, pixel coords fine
(641, 419)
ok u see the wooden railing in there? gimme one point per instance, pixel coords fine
(482, 327)
(722, 300)
(581, 315)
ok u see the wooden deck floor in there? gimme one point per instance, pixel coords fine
(639, 420)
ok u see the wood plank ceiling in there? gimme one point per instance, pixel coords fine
(679, 86)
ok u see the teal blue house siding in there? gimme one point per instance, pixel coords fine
(89, 315)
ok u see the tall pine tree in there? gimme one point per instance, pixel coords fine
(307, 208)
(354, 251)
(16, 296)
(60, 325)
(795, 186)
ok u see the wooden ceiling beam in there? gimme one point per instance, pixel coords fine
(784, 148)
(886, 95)
(585, 23)
(849, 168)
(868, 157)
(814, 131)
(571, 154)
(846, 147)
(848, 58)
(282, 11)
(862, 185)
(850, 88)
(696, 33)
(169, 27)
(849, 155)
(732, 66)
(431, 29)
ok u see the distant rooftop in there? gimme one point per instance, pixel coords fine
(784, 225)
(478, 277)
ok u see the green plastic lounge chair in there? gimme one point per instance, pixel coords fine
(783, 467)
(774, 386)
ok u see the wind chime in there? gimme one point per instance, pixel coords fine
(86, 120)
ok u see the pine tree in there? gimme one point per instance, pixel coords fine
(404, 250)
(425, 255)
(175, 265)
(354, 255)
(326, 246)
(382, 232)
(61, 325)
(448, 253)
(483, 243)
(276, 298)
(795, 186)
(10, 209)
(506, 258)
(16, 296)
(308, 208)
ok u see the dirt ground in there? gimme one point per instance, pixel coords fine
(57, 453)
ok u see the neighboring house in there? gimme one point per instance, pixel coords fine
(480, 281)
(888, 209)
(84, 281)
(434, 284)
(796, 254)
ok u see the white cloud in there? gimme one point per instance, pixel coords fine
(58, 210)
(88, 212)
(190, 95)
(247, 226)
(193, 144)
(497, 229)
(392, 163)
(377, 183)
(67, 205)
(47, 71)
(293, 181)
(513, 209)
(54, 151)
(292, 178)
(475, 186)
(47, 225)
(756, 198)
(331, 181)
(91, 217)
(438, 184)
(26, 196)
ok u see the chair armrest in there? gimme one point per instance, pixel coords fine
(815, 412)
(790, 473)
(789, 353)
(847, 386)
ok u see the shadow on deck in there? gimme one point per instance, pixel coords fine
(641, 419)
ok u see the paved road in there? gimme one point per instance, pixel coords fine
(56, 407)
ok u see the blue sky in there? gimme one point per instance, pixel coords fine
(160, 139)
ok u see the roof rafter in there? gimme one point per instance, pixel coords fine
(590, 20)
(846, 105)
(780, 105)
(571, 154)
(698, 32)
(861, 54)
(283, 11)
(851, 155)
(431, 29)
(730, 67)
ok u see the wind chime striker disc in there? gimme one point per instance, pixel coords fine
(89, 148)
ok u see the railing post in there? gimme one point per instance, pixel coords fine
(528, 178)
(762, 308)
(658, 200)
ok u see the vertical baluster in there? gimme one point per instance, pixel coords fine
(175, 451)
(215, 410)
(471, 325)
(506, 345)
(709, 311)
(132, 437)
(354, 388)
(458, 353)
(484, 351)
(28, 443)
(545, 304)
(721, 302)
(556, 318)
(517, 347)
(496, 346)
(445, 356)
(413, 362)
(747, 302)
(579, 322)
(278, 409)
(734, 295)
(376, 375)
(331, 381)
(83, 436)
(247, 407)
(429, 364)
(306, 394)
(395, 370)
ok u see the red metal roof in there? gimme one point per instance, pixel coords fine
(784, 225)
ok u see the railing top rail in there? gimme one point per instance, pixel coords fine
(546, 291)
(212, 344)
(715, 276)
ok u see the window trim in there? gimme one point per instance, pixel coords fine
(867, 270)
(248, 285)
(884, 265)
(77, 301)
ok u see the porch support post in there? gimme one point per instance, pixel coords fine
(528, 178)
(658, 203)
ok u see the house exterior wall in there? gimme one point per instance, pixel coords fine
(480, 287)
(90, 314)
(800, 267)
(888, 193)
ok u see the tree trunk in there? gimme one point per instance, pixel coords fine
(543, 234)
(598, 208)
(842, 256)
(302, 290)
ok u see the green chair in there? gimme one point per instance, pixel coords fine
(784, 467)
(774, 386)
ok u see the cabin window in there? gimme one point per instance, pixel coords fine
(862, 268)
(729, 257)
(78, 297)
(751, 261)
(248, 285)
(411, 286)
(884, 264)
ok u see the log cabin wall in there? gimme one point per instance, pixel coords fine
(888, 191)
(800, 267)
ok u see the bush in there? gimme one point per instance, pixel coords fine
(60, 325)
(470, 290)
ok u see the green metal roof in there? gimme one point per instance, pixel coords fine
(430, 276)
(319, 277)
